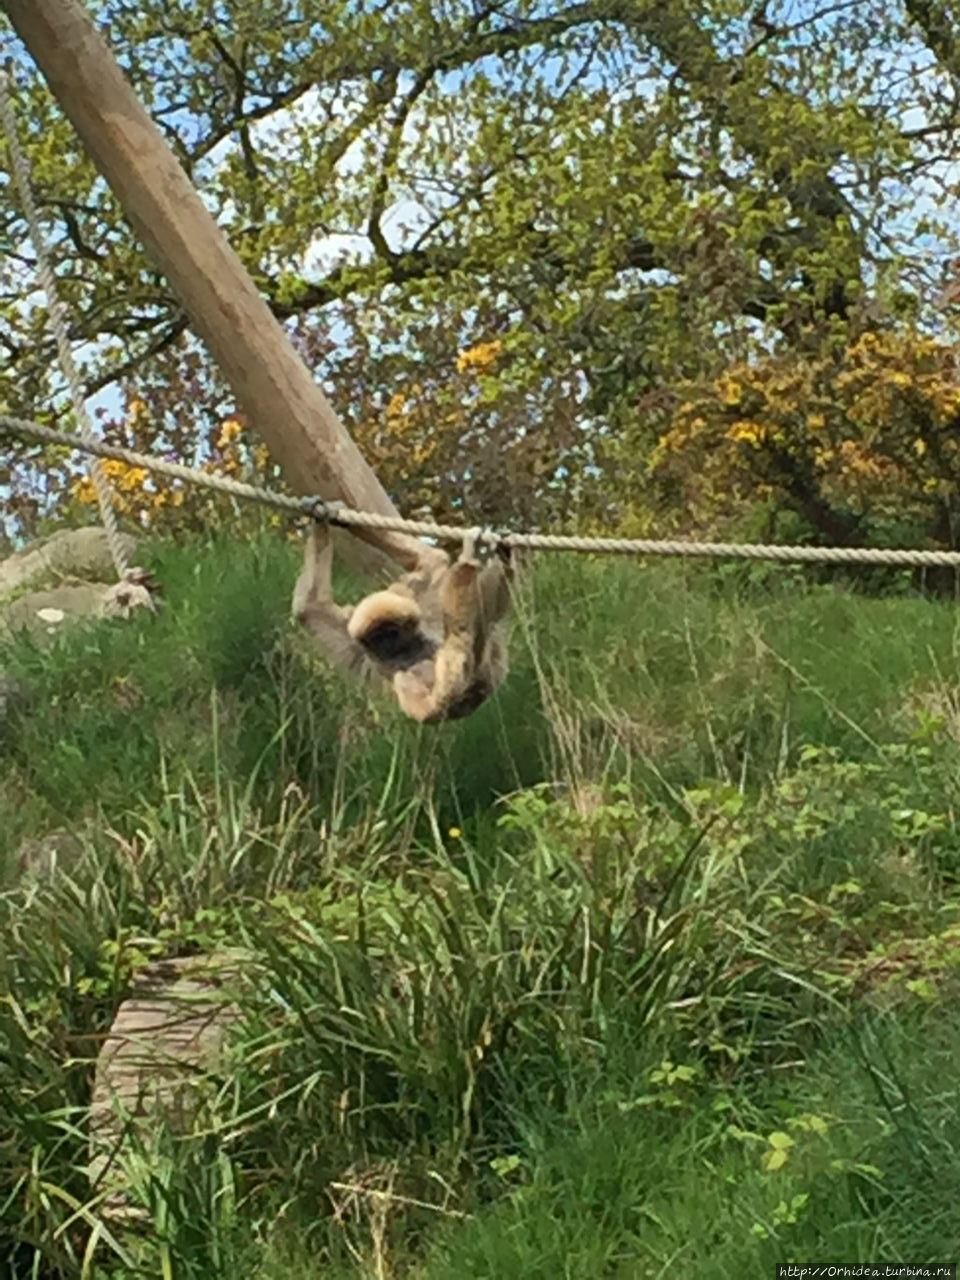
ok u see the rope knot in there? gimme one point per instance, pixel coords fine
(478, 539)
(323, 510)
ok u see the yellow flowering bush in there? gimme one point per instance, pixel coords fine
(854, 441)
(157, 503)
(447, 431)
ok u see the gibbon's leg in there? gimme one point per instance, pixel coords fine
(494, 584)
(315, 608)
(476, 598)
(473, 602)
(460, 594)
(492, 631)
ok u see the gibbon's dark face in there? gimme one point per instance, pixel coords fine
(399, 645)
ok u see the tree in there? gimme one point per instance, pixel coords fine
(614, 196)
(859, 445)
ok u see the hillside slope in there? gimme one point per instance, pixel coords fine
(646, 968)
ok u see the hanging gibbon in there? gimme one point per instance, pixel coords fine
(437, 636)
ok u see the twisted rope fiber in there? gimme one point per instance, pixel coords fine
(343, 516)
(58, 323)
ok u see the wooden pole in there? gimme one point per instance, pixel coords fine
(270, 381)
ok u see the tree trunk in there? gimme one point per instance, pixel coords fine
(268, 378)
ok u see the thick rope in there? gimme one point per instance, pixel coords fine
(58, 323)
(336, 514)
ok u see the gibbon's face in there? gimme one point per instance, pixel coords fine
(401, 644)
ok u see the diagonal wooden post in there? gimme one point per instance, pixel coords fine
(270, 381)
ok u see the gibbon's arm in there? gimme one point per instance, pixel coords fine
(414, 692)
(315, 608)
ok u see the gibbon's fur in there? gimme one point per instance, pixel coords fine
(438, 635)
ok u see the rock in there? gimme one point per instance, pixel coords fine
(81, 553)
(166, 1035)
(44, 613)
(78, 554)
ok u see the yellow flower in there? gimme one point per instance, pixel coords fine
(479, 357)
(423, 451)
(455, 833)
(730, 390)
(396, 405)
(132, 478)
(230, 428)
(82, 489)
(746, 430)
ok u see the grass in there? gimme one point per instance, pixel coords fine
(645, 969)
(645, 1193)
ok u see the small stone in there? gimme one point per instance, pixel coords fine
(170, 1031)
(83, 553)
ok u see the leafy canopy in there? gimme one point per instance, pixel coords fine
(508, 237)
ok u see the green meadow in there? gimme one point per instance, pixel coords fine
(647, 969)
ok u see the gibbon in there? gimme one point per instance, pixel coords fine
(437, 636)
